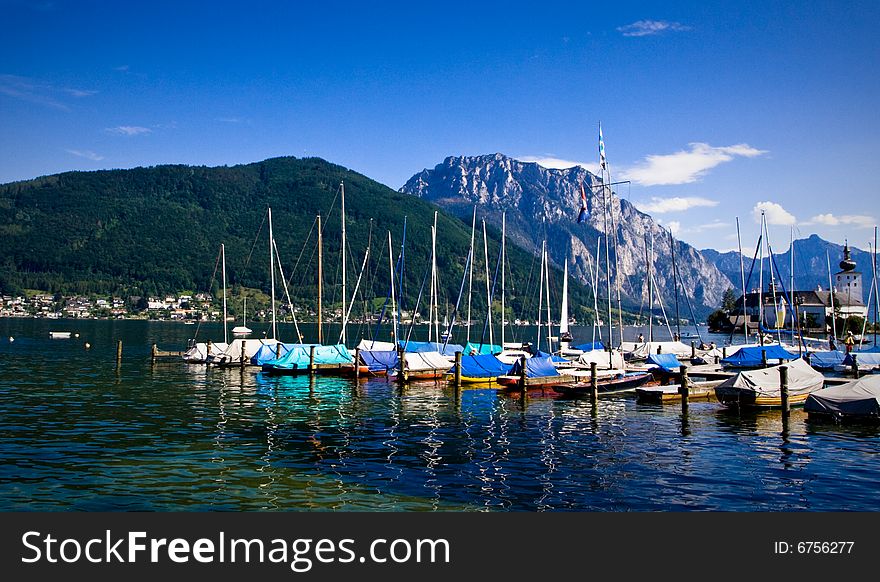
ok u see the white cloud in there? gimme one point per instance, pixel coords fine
(674, 204)
(651, 27)
(674, 226)
(128, 130)
(87, 154)
(559, 164)
(684, 167)
(857, 220)
(774, 213)
(79, 92)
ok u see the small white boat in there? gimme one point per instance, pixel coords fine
(59, 334)
(241, 330)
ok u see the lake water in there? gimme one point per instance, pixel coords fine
(78, 433)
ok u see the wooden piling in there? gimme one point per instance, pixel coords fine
(763, 358)
(243, 356)
(458, 369)
(119, 352)
(311, 360)
(401, 364)
(594, 382)
(357, 363)
(659, 349)
(683, 389)
(855, 365)
(522, 373)
(783, 390)
(724, 353)
(154, 353)
(693, 349)
(278, 351)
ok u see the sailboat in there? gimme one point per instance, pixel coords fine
(242, 330)
(201, 352)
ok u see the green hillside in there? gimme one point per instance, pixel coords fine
(150, 231)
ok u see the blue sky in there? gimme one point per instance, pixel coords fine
(711, 109)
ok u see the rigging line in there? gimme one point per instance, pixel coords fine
(526, 303)
(210, 285)
(787, 297)
(287, 293)
(690, 306)
(303, 249)
(491, 299)
(458, 301)
(253, 246)
(749, 280)
(412, 322)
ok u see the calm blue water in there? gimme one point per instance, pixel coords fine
(76, 433)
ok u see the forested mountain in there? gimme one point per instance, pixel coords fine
(149, 231)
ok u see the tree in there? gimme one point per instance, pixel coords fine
(728, 300)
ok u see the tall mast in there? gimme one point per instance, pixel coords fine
(488, 293)
(791, 297)
(272, 275)
(342, 214)
(503, 263)
(471, 275)
(391, 278)
(541, 295)
(547, 283)
(876, 290)
(675, 285)
(831, 297)
(563, 315)
(761, 284)
(595, 275)
(435, 313)
(320, 280)
(651, 291)
(225, 331)
(742, 274)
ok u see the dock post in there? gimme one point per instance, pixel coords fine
(401, 364)
(783, 391)
(457, 370)
(855, 365)
(278, 351)
(659, 349)
(723, 353)
(522, 374)
(594, 382)
(312, 360)
(154, 352)
(763, 358)
(357, 363)
(693, 349)
(683, 388)
(118, 352)
(243, 356)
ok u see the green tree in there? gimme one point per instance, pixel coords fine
(728, 300)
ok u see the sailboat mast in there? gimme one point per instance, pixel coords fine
(563, 315)
(761, 285)
(435, 313)
(320, 281)
(541, 295)
(742, 274)
(225, 331)
(831, 297)
(488, 293)
(471, 275)
(675, 285)
(342, 214)
(876, 290)
(503, 263)
(607, 260)
(595, 274)
(651, 291)
(391, 278)
(272, 275)
(547, 283)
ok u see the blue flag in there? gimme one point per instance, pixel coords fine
(584, 213)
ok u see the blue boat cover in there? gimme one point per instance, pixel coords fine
(377, 360)
(590, 346)
(471, 349)
(336, 354)
(419, 347)
(751, 355)
(826, 360)
(864, 359)
(553, 357)
(295, 359)
(668, 362)
(483, 366)
(298, 357)
(267, 352)
(536, 367)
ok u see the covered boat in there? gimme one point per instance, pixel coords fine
(472, 349)
(751, 356)
(666, 363)
(858, 400)
(422, 347)
(761, 387)
(826, 360)
(613, 384)
(424, 366)
(540, 371)
(328, 360)
(481, 369)
(866, 360)
(612, 360)
(198, 353)
(377, 362)
(240, 350)
(640, 351)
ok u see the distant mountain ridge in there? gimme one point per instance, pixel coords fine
(543, 203)
(810, 264)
